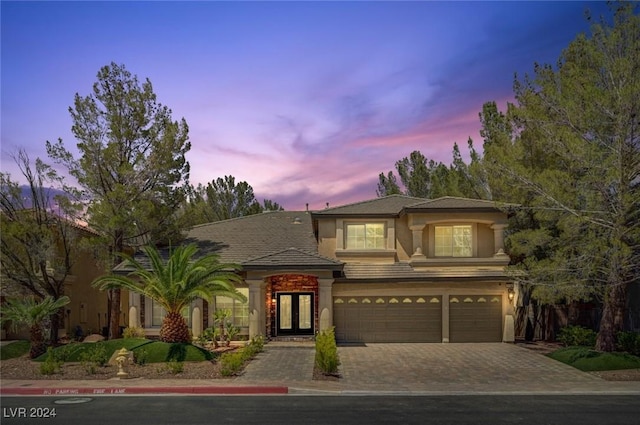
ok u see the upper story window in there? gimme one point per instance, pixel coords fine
(365, 236)
(453, 241)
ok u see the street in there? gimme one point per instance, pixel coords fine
(344, 409)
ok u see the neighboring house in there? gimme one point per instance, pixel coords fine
(88, 307)
(392, 269)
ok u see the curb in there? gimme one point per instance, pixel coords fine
(143, 390)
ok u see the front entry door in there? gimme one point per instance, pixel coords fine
(295, 313)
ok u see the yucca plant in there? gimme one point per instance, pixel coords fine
(174, 284)
(29, 312)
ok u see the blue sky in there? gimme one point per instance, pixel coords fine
(306, 101)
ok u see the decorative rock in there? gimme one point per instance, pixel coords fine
(93, 338)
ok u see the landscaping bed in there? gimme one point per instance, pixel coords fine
(205, 365)
(25, 369)
(589, 361)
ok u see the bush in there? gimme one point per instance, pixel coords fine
(629, 342)
(327, 352)
(175, 367)
(129, 333)
(577, 336)
(141, 357)
(232, 363)
(258, 343)
(52, 364)
(94, 357)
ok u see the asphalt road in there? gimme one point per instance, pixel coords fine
(334, 410)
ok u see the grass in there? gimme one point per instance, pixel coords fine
(15, 349)
(589, 360)
(154, 351)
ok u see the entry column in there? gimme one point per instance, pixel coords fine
(257, 313)
(325, 303)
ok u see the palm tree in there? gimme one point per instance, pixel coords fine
(29, 312)
(176, 283)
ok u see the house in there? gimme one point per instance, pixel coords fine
(392, 269)
(87, 309)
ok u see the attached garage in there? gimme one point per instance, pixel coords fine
(475, 318)
(388, 319)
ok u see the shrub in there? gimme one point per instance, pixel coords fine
(577, 336)
(327, 352)
(52, 363)
(232, 363)
(258, 343)
(629, 342)
(94, 357)
(129, 333)
(175, 366)
(141, 357)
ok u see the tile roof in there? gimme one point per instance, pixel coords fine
(388, 205)
(404, 271)
(453, 203)
(240, 239)
(292, 258)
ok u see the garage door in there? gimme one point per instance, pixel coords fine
(475, 318)
(388, 319)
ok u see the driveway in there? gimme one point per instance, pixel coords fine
(457, 367)
(437, 368)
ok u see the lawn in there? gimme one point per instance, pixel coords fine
(589, 360)
(15, 349)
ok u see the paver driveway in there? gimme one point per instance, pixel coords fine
(457, 367)
(477, 367)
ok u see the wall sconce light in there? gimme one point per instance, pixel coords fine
(273, 301)
(510, 294)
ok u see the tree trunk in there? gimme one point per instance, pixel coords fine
(115, 294)
(38, 347)
(612, 320)
(57, 321)
(174, 328)
(114, 313)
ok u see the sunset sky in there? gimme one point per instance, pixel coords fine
(306, 101)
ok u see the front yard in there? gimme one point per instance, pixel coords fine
(88, 361)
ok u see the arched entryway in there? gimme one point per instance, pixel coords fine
(293, 301)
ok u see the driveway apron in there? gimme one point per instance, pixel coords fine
(428, 368)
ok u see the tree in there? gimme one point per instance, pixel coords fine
(176, 283)
(223, 199)
(425, 178)
(39, 241)
(132, 164)
(575, 160)
(387, 185)
(32, 313)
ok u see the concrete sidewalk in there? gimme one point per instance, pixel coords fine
(285, 368)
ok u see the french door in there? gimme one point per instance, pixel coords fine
(295, 313)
